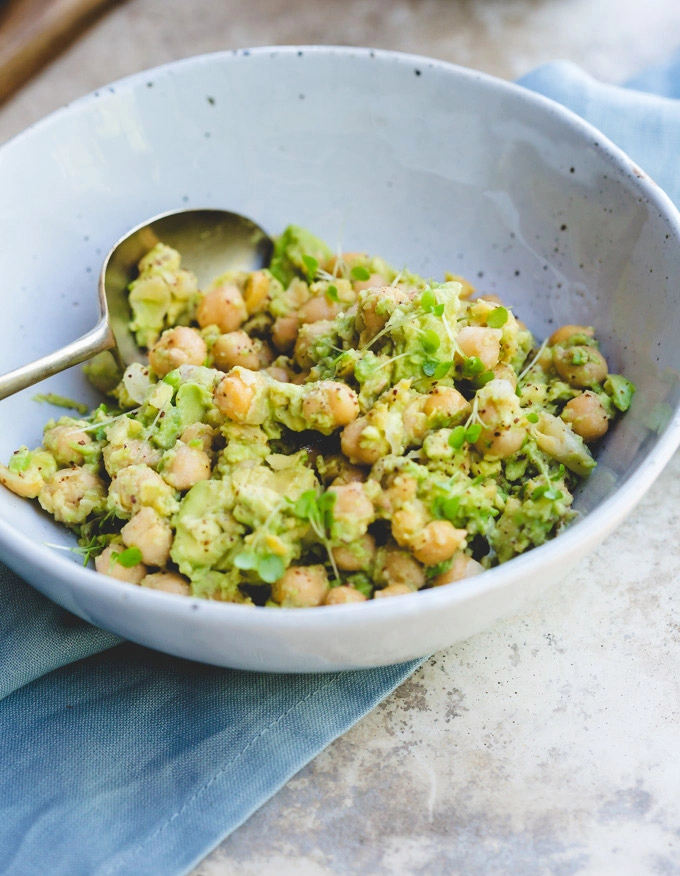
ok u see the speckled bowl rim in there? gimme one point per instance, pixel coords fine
(579, 538)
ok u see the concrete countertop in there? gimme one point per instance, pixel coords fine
(548, 744)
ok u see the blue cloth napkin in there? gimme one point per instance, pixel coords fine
(118, 760)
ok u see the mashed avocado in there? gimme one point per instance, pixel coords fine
(324, 431)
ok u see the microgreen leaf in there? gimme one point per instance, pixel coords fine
(305, 505)
(532, 417)
(472, 367)
(550, 493)
(430, 366)
(311, 266)
(484, 378)
(438, 310)
(450, 507)
(359, 272)
(442, 370)
(457, 437)
(473, 432)
(430, 341)
(497, 318)
(270, 568)
(332, 293)
(427, 301)
(245, 560)
(127, 558)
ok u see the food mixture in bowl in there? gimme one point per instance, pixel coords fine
(327, 430)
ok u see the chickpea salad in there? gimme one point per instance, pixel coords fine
(325, 430)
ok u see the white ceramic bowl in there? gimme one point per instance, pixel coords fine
(429, 165)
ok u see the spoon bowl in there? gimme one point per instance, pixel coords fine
(210, 242)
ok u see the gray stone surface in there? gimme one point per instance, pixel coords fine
(548, 744)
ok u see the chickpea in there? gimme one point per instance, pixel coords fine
(402, 489)
(307, 336)
(256, 293)
(393, 590)
(319, 308)
(222, 306)
(332, 401)
(374, 281)
(485, 343)
(187, 466)
(447, 402)
(462, 567)
(580, 365)
(505, 372)
(400, 567)
(499, 440)
(284, 332)
(503, 426)
(72, 494)
(26, 484)
(352, 502)
(236, 392)
(236, 348)
(342, 595)
(368, 318)
(408, 522)
(563, 334)
(356, 556)
(437, 542)
(199, 432)
(177, 346)
(134, 451)
(168, 582)
(358, 451)
(64, 442)
(301, 587)
(106, 564)
(586, 416)
(349, 474)
(151, 534)
(415, 421)
(278, 372)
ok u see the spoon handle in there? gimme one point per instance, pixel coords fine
(97, 340)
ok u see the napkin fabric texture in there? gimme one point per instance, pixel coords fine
(118, 761)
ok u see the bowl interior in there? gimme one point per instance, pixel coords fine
(433, 167)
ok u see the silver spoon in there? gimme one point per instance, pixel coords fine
(209, 241)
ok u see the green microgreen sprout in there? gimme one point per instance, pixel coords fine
(360, 273)
(269, 567)
(446, 508)
(497, 318)
(484, 378)
(429, 303)
(531, 364)
(311, 266)
(332, 293)
(91, 548)
(317, 510)
(544, 491)
(472, 367)
(127, 558)
(430, 341)
(464, 434)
